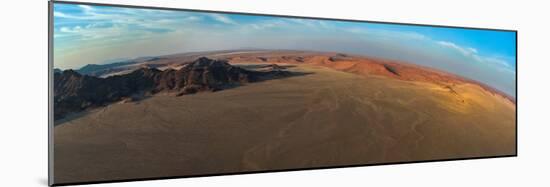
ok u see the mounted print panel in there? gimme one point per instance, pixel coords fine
(150, 93)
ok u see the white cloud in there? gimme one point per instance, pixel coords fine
(86, 7)
(86, 16)
(68, 16)
(305, 22)
(261, 26)
(497, 61)
(75, 29)
(223, 19)
(107, 24)
(59, 14)
(193, 18)
(316, 24)
(466, 51)
(387, 34)
(473, 53)
(267, 24)
(472, 49)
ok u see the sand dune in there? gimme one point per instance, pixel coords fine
(363, 65)
(338, 114)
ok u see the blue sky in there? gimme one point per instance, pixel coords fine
(97, 34)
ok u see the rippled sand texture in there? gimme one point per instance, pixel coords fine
(326, 118)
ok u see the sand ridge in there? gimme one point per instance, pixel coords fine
(329, 117)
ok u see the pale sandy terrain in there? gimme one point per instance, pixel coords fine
(327, 118)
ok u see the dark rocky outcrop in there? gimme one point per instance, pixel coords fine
(391, 69)
(74, 92)
(263, 59)
(274, 67)
(339, 57)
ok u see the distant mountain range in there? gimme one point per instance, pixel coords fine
(94, 69)
(76, 91)
(102, 69)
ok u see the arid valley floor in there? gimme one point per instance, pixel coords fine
(342, 110)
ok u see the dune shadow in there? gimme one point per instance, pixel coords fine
(264, 76)
(258, 66)
(76, 115)
(284, 75)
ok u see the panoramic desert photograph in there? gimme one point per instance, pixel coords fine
(147, 93)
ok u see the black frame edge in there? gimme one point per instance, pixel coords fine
(50, 93)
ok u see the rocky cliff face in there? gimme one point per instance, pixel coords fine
(74, 92)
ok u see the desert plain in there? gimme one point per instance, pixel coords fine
(340, 110)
